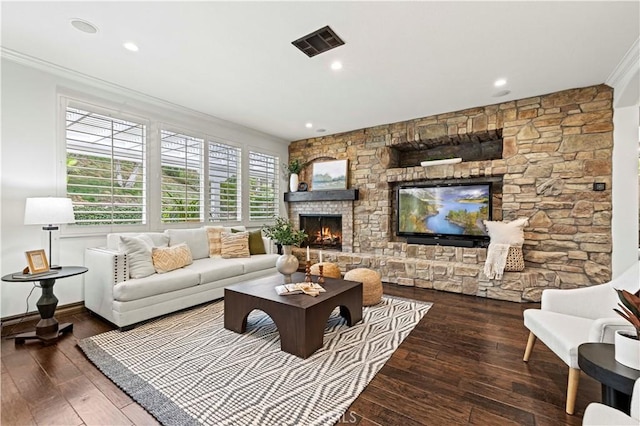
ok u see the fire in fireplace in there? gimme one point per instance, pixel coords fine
(324, 231)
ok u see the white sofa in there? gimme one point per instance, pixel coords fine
(112, 294)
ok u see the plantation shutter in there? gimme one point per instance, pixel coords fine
(224, 182)
(181, 161)
(105, 168)
(263, 186)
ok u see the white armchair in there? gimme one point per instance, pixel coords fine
(568, 318)
(600, 414)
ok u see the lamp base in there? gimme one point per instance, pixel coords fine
(55, 267)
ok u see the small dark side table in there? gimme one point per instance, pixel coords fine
(47, 330)
(597, 360)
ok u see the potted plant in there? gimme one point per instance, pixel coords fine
(293, 169)
(284, 233)
(627, 346)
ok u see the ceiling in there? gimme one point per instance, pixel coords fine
(401, 60)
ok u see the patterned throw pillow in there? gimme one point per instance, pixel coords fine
(215, 242)
(256, 243)
(235, 245)
(167, 259)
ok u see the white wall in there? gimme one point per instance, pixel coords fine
(29, 155)
(625, 80)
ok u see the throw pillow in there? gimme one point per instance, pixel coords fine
(235, 245)
(215, 242)
(138, 251)
(196, 239)
(507, 232)
(167, 259)
(256, 243)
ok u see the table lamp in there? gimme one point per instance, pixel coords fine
(48, 211)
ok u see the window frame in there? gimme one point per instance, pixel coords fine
(155, 120)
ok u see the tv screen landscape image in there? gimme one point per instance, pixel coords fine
(444, 210)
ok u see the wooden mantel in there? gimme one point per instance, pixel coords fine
(331, 195)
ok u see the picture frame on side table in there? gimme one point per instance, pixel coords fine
(329, 175)
(37, 260)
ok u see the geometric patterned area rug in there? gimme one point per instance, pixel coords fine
(188, 369)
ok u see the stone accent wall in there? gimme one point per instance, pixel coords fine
(554, 148)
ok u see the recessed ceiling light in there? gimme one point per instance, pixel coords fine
(500, 82)
(337, 65)
(501, 93)
(130, 46)
(308, 125)
(84, 26)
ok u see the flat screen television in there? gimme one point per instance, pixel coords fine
(444, 211)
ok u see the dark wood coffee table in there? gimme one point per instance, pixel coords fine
(300, 319)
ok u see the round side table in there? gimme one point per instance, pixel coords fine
(47, 330)
(597, 360)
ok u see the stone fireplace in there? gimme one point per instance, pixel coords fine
(547, 152)
(324, 231)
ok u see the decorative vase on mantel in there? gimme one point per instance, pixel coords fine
(287, 264)
(627, 349)
(293, 182)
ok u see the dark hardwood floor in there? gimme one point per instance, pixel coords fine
(462, 365)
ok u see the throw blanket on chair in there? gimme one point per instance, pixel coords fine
(496, 260)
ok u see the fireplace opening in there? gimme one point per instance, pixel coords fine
(324, 231)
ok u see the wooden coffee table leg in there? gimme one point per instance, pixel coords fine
(351, 307)
(235, 319)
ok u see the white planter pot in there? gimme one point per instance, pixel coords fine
(440, 162)
(287, 264)
(627, 349)
(293, 182)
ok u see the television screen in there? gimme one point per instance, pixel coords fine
(444, 210)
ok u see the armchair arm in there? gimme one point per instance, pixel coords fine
(587, 302)
(603, 330)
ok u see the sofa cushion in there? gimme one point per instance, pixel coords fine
(160, 239)
(215, 242)
(235, 245)
(210, 270)
(196, 239)
(138, 250)
(166, 259)
(155, 284)
(256, 262)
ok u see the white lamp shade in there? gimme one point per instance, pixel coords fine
(48, 211)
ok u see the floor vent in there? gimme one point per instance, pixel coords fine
(318, 42)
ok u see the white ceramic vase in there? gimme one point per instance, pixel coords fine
(293, 182)
(287, 264)
(627, 349)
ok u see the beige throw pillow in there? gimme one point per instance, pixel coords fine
(235, 245)
(167, 259)
(214, 234)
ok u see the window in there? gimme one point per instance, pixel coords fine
(263, 186)
(224, 182)
(105, 168)
(181, 161)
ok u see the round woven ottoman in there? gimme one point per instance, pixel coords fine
(371, 284)
(329, 270)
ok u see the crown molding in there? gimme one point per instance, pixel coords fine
(626, 69)
(77, 76)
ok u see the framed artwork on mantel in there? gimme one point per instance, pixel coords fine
(329, 175)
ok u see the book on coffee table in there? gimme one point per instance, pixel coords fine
(299, 288)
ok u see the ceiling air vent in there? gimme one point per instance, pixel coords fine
(318, 42)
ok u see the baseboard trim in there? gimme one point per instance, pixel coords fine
(69, 309)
